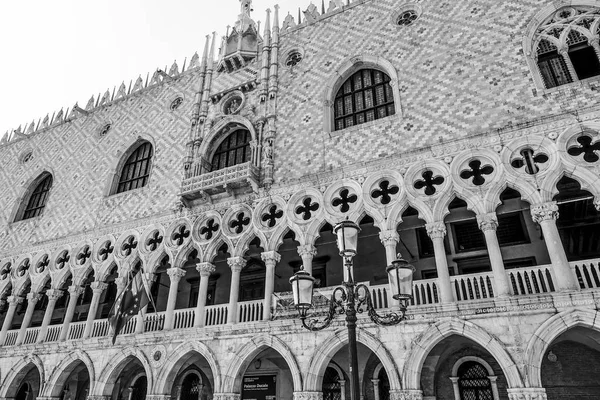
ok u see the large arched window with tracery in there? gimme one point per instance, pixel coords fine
(136, 170)
(36, 200)
(365, 96)
(566, 46)
(234, 150)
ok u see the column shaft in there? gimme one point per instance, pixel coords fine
(437, 232)
(32, 299)
(74, 292)
(13, 302)
(175, 275)
(53, 296)
(307, 252)
(271, 258)
(488, 223)
(236, 264)
(97, 288)
(205, 270)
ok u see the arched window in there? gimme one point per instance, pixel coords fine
(365, 96)
(235, 149)
(332, 387)
(473, 382)
(565, 46)
(38, 198)
(136, 170)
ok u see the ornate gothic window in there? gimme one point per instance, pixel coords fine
(136, 170)
(365, 96)
(38, 198)
(566, 46)
(235, 149)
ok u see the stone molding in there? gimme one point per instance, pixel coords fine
(227, 396)
(406, 394)
(527, 394)
(308, 395)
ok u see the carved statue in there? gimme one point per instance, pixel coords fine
(246, 7)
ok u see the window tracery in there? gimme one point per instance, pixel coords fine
(235, 149)
(38, 199)
(566, 46)
(136, 171)
(365, 96)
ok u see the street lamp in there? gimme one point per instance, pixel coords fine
(351, 298)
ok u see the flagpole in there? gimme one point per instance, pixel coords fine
(147, 287)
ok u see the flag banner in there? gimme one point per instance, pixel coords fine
(128, 304)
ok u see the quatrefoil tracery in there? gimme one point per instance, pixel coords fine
(590, 151)
(344, 200)
(180, 235)
(23, 268)
(429, 182)
(386, 191)
(272, 216)
(239, 222)
(5, 271)
(63, 259)
(106, 249)
(42, 264)
(307, 208)
(209, 229)
(83, 255)
(129, 245)
(477, 172)
(530, 160)
(154, 241)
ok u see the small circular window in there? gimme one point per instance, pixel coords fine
(176, 103)
(232, 105)
(293, 59)
(105, 129)
(407, 18)
(26, 157)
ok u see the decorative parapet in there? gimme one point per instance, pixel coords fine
(224, 180)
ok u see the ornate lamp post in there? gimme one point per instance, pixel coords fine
(351, 298)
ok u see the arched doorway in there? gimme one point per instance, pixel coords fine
(128, 381)
(333, 384)
(25, 385)
(570, 364)
(74, 382)
(139, 388)
(191, 378)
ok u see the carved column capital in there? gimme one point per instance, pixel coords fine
(270, 258)
(436, 230)
(389, 237)
(308, 395)
(33, 297)
(98, 287)
(406, 394)
(205, 269)
(175, 274)
(544, 211)
(54, 294)
(488, 222)
(75, 290)
(527, 394)
(307, 250)
(14, 300)
(236, 263)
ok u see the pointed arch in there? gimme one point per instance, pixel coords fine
(111, 371)
(64, 369)
(232, 378)
(223, 129)
(331, 345)
(168, 373)
(8, 388)
(139, 154)
(548, 332)
(435, 333)
(34, 196)
(584, 177)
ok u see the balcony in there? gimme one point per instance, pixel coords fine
(232, 180)
(473, 293)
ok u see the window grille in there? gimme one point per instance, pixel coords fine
(332, 388)
(235, 149)
(38, 198)
(136, 170)
(365, 96)
(473, 382)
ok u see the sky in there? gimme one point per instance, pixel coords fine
(56, 53)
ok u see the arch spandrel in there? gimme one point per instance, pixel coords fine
(107, 378)
(8, 388)
(233, 376)
(435, 333)
(61, 372)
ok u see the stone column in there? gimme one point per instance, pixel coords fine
(437, 232)
(97, 288)
(375, 388)
(205, 270)
(546, 215)
(595, 43)
(389, 239)
(307, 396)
(74, 292)
(236, 264)
(53, 296)
(527, 394)
(494, 383)
(307, 252)
(455, 387)
(175, 275)
(406, 394)
(13, 302)
(488, 223)
(271, 258)
(343, 389)
(32, 299)
(565, 55)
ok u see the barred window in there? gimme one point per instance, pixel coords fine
(235, 149)
(473, 382)
(37, 200)
(136, 170)
(365, 96)
(552, 65)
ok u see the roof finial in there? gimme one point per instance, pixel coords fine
(246, 7)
